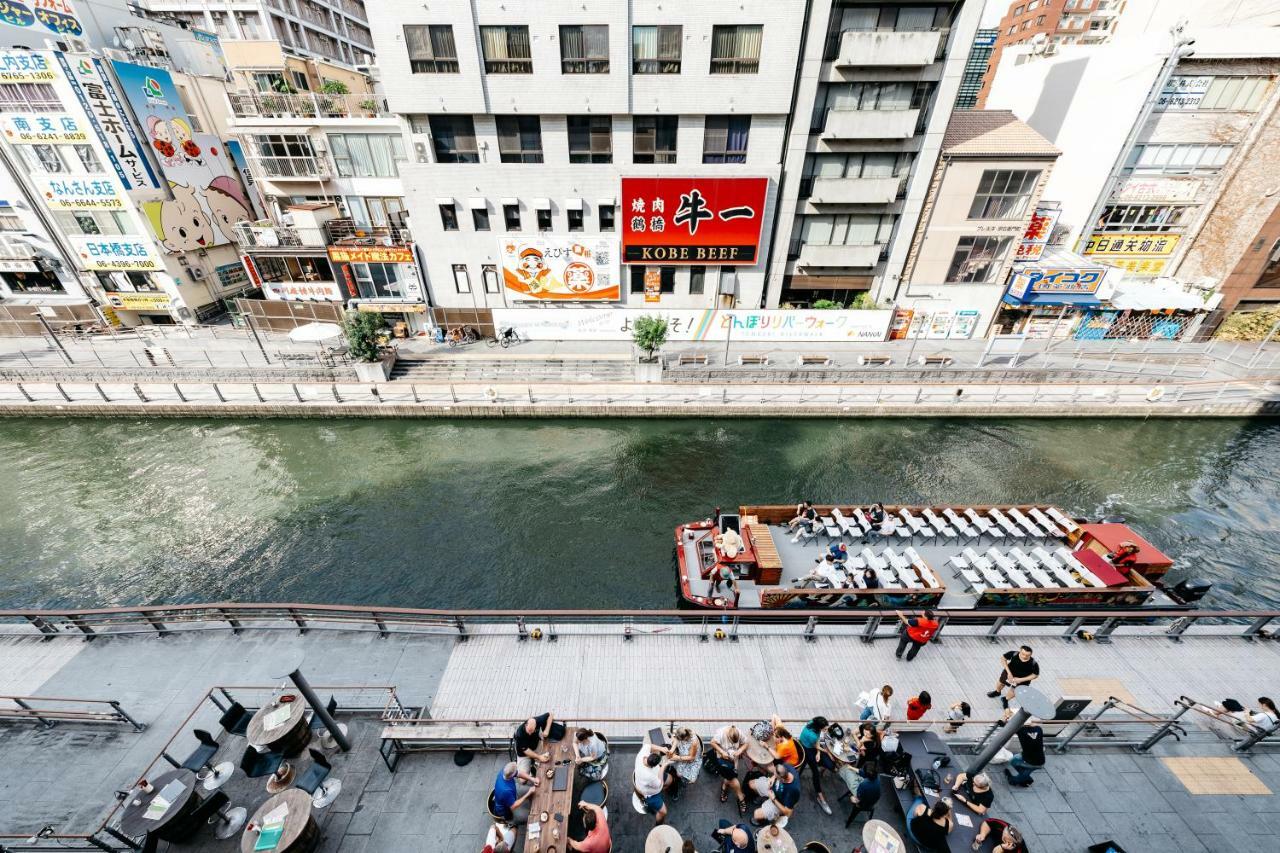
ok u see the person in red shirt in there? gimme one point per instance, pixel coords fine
(597, 826)
(918, 706)
(919, 630)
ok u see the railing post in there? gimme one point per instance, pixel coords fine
(298, 620)
(522, 633)
(943, 619)
(1070, 634)
(809, 627)
(62, 391)
(994, 630)
(83, 626)
(382, 626)
(704, 637)
(869, 632)
(137, 726)
(25, 393)
(1178, 627)
(1103, 634)
(1255, 628)
(462, 629)
(334, 389)
(154, 623)
(137, 389)
(48, 724)
(551, 630)
(296, 392)
(258, 392)
(178, 391)
(230, 620)
(1185, 704)
(101, 393)
(218, 392)
(1083, 724)
(42, 626)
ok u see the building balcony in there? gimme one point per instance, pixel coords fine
(855, 190)
(308, 105)
(291, 168)
(335, 232)
(839, 256)
(871, 124)
(859, 49)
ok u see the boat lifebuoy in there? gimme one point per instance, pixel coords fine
(491, 393)
(1155, 394)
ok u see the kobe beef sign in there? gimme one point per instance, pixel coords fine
(692, 220)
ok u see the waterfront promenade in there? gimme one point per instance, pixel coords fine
(65, 776)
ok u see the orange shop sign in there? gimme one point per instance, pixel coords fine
(371, 254)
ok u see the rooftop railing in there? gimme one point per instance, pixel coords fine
(307, 105)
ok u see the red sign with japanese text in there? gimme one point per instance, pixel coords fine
(692, 220)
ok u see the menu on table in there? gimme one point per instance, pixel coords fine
(168, 795)
(277, 718)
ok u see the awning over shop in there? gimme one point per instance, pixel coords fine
(1036, 300)
(1161, 294)
(1059, 277)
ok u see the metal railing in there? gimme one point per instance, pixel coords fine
(292, 167)
(279, 236)
(308, 105)
(48, 711)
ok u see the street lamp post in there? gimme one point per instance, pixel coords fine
(300, 681)
(1030, 703)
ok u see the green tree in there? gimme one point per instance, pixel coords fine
(827, 305)
(362, 328)
(863, 302)
(335, 87)
(649, 333)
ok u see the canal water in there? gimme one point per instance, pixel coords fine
(545, 514)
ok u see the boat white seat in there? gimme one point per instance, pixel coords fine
(939, 526)
(855, 563)
(874, 560)
(983, 524)
(1025, 523)
(909, 579)
(845, 525)
(887, 580)
(832, 529)
(918, 527)
(1044, 521)
(1024, 561)
(1054, 566)
(959, 523)
(959, 561)
(994, 578)
(977, 561)
(929, 578)
(1005, 523)
(1041, 577)
(1063, 521)
(971, 577)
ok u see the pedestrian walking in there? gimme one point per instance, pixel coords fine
(956, 715)
(917, 632)
(1020, 668)
(919, 705)
(876, 704)
(1031, 759)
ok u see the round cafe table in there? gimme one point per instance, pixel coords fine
(289, 737)
(880, 837)
(767, 842)
(759, 753)
(663, 839)
(170, 825)
(300, 833)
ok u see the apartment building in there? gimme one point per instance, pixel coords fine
(877, 84)
(332, 30)
(975, 68)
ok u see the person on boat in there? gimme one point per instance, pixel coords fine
(974, 792)
(1020, 668)
(727, 747)
(929, 826)
(1010, 839)
(839, 552)
(1124, 557)
(721, 573)
(731, 543)
(918, 631)
(529, 736)
(870, 579)
(805, 514)
(591, 755)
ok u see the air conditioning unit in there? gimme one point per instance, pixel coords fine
(197, 273)
(420, 152)
(77, 45)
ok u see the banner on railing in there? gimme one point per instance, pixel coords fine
(616, 324)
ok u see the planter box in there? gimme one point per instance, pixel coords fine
(375, 371)
(647, 371)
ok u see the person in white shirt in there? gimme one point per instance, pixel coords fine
(649, 780)
(877, 704)
(731, 543)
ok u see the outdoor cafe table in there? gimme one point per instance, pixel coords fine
(924, 748)
(557, 804)
(880, 837)
(179, 787)
(767, 842)
(758, 753)
(663, 839)
(300, 832)
(277, 731)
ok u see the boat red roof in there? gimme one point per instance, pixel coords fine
(1101, 569)
(1111, 535)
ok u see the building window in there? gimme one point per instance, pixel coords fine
(728, 281)
(697, 280)
(736, 49)
(1235, 93)
(367, 155)
(869, 165)
(842, 229)
(511, 217)
(43, 158)
(480, 218)
(29, 98)
(655, 50)
(654, 139)
(1178, 159)
(506, 50)
(431, 49)
(454, 139)
(867, 96)
(575, 219)
(584, 49)
(590, 139)
(544, 219)
(1019, 10)
(1040, 20)
(520, 139)
(461, 278)
(724, 139)
(88, 159)
(667, 278)
(449, 217)
(1142, 217)
(296, 78)
(605, 214)
(489, 275)
(378, 281)
(977, 259)
(1003, 194)
(637, 279)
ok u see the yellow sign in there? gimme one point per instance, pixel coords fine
(139, 301)
(24, 66)
(110, 315)
(1132, 244)
(652, 284)
(1140, 266)
(371, 254)
(392, 307)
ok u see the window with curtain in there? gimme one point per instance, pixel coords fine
(977, 259)
(431, 49)
(867, 165)
(454, 139)
(656, 50)
(697, 280)
(519, 139)
(1003, 193)
(735, 49)
(653, 139)
(584, 49)
(367, 155)
(506, 50)
(724, 139)
(590, 139)
(845, 229)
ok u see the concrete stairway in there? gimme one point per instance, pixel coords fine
(442, 370)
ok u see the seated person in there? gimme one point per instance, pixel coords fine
(780, 791)
(826, 573)
(975, 793)
(874, 516)
(596, 823)
(804, 513)
(785, 747)
(500, 839)
(731, 543)
(870, 578)
(1010, 839)
(590, 754)
(734, 838)
(511, 792)
(864, 788)
(839, 553)
(529, 736)
(649, 780)
(1124, 557)
(727, 746)
(930, 825)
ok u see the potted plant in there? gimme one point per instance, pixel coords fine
(649, 333)
(329, 105)
(363, 330)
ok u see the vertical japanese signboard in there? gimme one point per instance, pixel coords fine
(102, 105)
(692, 220)
(1038, 232)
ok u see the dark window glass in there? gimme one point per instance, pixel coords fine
(654, 139)
(725, 139)
(520, 139)
(454, 139)
(584, 49)
(480, 218)
(590, 139)
(697, 280)
(511, 216)
(606, 212)
(544, 219)
(449, 217)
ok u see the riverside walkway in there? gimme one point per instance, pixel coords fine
(628, 674)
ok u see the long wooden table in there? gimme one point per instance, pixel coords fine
(924, 747)
(557, 804)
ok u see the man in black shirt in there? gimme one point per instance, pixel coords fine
(974, 792)
(1031, 739)
(1019, 668)
(1010, 839)
(529, 737)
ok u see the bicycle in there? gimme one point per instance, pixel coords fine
(504, 339)
(462, 335)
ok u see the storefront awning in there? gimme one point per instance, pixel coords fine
(1161, 295)
(1036, 300)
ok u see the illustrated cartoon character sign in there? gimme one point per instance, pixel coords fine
(534, 272)
(181, 224)
(228, 204)
(162, 140)
(186, 144)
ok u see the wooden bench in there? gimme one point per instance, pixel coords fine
(401, 738)
(753, 361)
(935, 360)
(815, 361)
(691, 359)
(874, 360)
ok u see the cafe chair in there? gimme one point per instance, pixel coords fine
(255, 764)
(815, 847)
(317, 783)
(317, 725)
(856, 809)
(235, 721)
(225, 822)
(202, 756)
(150, 843)
(488, 807)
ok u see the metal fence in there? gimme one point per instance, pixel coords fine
(48, 711)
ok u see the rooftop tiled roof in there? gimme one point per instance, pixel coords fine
(980, 133)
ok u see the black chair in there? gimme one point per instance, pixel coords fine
(255, 764)
(857, 809)
(150, 843)
(226, 822)
(317, 783)
(236, 719)
(317, 724)
(204, 753)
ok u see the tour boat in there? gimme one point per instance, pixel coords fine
(948, 557)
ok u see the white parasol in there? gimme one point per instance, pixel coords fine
(315, 332)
